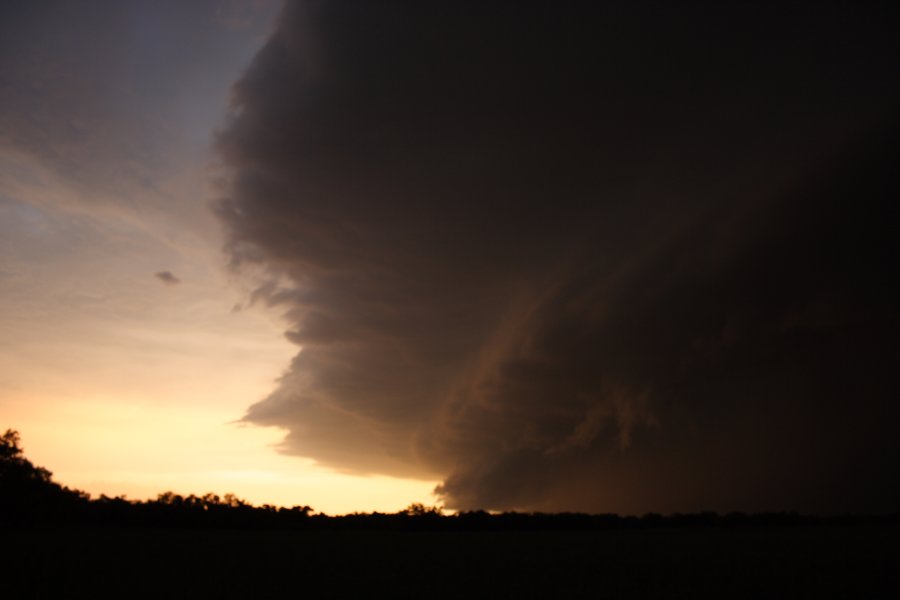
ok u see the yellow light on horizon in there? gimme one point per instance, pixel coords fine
(137, 450)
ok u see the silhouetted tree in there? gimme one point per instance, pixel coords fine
(28, 493)
(14, 465)
(417, 509)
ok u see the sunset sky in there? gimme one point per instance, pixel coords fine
(121, 382)
(613, 257)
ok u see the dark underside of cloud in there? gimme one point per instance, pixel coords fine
(630, 259)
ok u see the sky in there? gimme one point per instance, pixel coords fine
(618, 257)
(125, 362)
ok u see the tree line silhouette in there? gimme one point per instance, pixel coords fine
(30, 498)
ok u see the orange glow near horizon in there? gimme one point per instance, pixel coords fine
(104, 446)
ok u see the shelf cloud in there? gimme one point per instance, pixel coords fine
(629, 258)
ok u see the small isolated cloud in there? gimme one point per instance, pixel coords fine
(168, 278)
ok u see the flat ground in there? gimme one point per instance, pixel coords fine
(796, 562)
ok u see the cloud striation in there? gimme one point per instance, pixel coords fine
(623, 258)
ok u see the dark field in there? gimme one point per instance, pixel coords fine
(836, 561)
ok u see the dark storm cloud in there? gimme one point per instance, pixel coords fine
(167, 278)
(626, 258)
